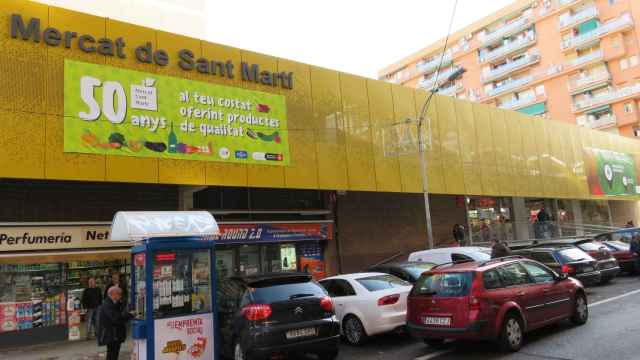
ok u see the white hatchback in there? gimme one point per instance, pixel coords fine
(368, 303)
(452, 254)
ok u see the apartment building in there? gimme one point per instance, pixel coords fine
(570, 60)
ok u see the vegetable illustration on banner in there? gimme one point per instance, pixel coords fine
(116, 111)
(611, 173)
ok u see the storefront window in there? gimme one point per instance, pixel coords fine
(249, 256)
(490, 218)
(595, 212)
(225, 263)
(139, 263)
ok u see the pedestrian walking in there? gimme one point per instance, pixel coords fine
(500, 249)
(116, 280)
(629, 224)
(112, 321)
(458, 234)
(634, 248)
(91, 301)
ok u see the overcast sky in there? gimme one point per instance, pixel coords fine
(355, 36)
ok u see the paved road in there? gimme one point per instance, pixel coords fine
(612, 333)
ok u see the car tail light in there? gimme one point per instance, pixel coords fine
(388, 300)
(326, 304)
(474, 300)
(256, 312)
(567, 269)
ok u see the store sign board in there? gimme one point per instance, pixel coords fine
(21, 238)
(255, 233)
(611, 173)
(184, 337)
(113, 111)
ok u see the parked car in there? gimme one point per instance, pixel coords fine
(567, 260)
(452, 254)
(368, 303)
(271, 314)
(499, 299)
(623, 235)
(626, 259)
(408, 271)
(607, 264)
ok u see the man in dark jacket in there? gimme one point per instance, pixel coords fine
(116, 280)
(91, 300)
(500, 249)
(112, 321)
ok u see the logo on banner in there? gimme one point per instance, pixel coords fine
(174, 347)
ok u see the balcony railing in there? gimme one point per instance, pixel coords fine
(613, 25)
(426, 67)
(603, 121)
(579, 17)
(427, 84)
(599, 54)
(581, 82)
(606, 98)
(510, 67)
(510, 85)
(451, 90)
(566, 2)
(518, 103)
(507, 30)
(507, 49)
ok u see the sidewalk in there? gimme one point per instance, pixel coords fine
(68, 350)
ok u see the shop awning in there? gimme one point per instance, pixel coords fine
(139, 225)
(599, 109)
(535, 109)
(588, 26)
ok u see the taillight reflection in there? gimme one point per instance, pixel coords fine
(256, 312)
(388, 300)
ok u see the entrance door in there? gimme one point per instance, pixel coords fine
(249, 260)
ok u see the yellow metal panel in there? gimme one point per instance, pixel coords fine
(131, 169)
(327, 107)
(22, 145)
(221, 53)
(302, 173)
(557, 136)
(17, 48)
(133, 37)
(387, 167)
(486, 153)
(67, 166)
(217, 173)
(514, 122)
(183, 172)
(543, 151)
(472, 179)
(505, 174)
(355, 102)
(530, 152)
(361, 166)
(299, 98)
(408, 152)
(332, 159)
(450, 145)
(573, 188)
(172, 44)
(469, 147)
(435, 170)
(579, 143)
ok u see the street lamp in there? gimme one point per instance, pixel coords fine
(421, 150)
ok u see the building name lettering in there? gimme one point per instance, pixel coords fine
(145, 53)
(28, 239)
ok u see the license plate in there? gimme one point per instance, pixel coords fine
(437, 320)
(298, 333)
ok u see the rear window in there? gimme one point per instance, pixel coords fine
(570, 255)
(444, 284)
(272, 293)
(381, 282)
(618, 245)
(417, 269)
(590, 246)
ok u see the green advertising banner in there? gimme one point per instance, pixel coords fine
(611, 173)
(114, 111)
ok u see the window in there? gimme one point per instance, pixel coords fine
(338, 288)
(513, 275)
(543, 257)
(628, 108)
(574, 254)
(537, 273)
(491, 280)
(612, 2)
(460, 258)
(268, 292)
(381, 282)
(444, 284)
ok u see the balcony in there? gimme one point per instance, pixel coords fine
(620, 23)
(606, 98)
(562, 3)
(583, 82)
(509, 48)
(506, 30)
(509, 86)
(451, 90)
(596, 55)
(602, 122)
(515, 104)
(579, 17)
(510, 67)
(427, 67)
(427, 84)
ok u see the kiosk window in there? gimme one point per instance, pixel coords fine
(181, 283)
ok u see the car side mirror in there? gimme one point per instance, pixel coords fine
(562, 276)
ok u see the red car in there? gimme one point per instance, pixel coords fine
(500, 299)
(627, 260)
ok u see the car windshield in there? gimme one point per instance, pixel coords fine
(573, 254)
(272, 293)
(381, 282)
(444, 284)
(415, 270)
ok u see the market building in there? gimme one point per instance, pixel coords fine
(305, 168)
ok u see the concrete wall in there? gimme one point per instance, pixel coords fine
(372, 227)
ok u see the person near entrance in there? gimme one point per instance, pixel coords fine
(91, 300)
(458, 234)
(112, 321)
(116, 280)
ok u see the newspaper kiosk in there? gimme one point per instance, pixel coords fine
(172, 282)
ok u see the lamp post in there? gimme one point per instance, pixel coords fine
(423, 159)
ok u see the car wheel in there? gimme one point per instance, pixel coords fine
(512, 333)
(581, 310)
(238, 352)
(354, 331)
(328, 355)
(434, 343)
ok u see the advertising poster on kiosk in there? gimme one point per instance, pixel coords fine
(611, 173)
(184, 338)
